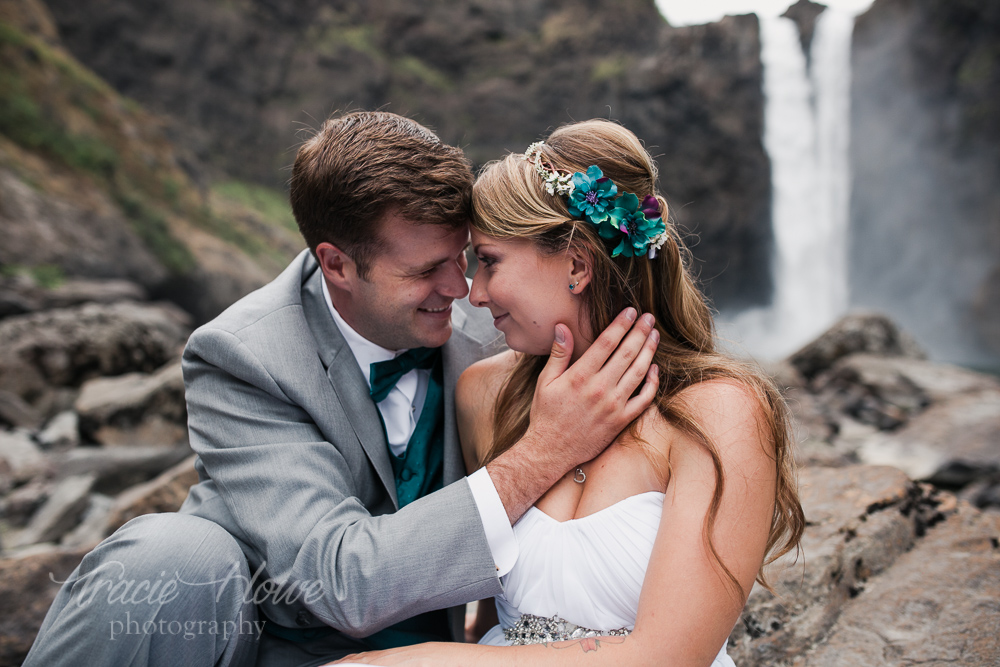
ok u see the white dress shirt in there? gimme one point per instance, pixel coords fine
(400, 412)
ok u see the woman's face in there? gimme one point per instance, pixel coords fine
(526, 291)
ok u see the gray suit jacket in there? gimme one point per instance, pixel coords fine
(294, 464)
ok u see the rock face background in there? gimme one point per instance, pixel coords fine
(925, 144)
(242, 80)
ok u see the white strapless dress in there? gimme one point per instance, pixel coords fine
(587, 571)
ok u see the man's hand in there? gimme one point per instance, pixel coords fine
(578, 410)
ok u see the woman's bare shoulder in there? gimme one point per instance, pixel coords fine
(483, 379)
(730, 411)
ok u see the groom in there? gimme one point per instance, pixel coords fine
(333, 513)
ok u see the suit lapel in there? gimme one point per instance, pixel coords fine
(347, 380)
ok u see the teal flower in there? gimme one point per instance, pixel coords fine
(593, 196)
(632, 222)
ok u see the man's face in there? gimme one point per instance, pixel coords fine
(406, 301)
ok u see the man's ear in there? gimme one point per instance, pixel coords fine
(338, 268)
(580, 270)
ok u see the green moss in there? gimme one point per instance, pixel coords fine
(360, 38)
(25, 123)
(412, 66)
(152, 228)
(270, 204)
(47, 275)
(610, 68)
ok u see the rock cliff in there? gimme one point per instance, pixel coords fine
(241, 80)
(91, 187)
(925, 144)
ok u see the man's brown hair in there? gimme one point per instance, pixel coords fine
(365, 164)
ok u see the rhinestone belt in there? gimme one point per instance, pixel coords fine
(530, 629)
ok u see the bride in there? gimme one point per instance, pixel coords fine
(647, 553)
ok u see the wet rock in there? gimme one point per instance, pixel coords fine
(166, 493)
(60, 512)
(856, 333)
(26, 592)
(135, 409)
(65, 347)
(937, 605)
(118, 468)
(62, 431)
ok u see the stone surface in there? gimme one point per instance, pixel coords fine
(135, 409)
(16, 412)
(21, 503)
(953, 443)
(855, 333)
(92, 527)
(68, 346)
(165, 493)
(62, 431)
(939, 604)
(860, 520)
(26, 591)
(118, 468)
(60, 512)
(20, 458)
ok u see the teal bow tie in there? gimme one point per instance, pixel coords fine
(385, 374)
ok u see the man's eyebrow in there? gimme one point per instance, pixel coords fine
(435, 262)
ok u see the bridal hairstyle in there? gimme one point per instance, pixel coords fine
(510, 201)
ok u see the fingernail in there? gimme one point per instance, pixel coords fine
(654, 336)
(649, 319)
(630, 314)
(656, 371)
(560, 335)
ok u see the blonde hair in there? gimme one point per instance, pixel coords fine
(509, 200)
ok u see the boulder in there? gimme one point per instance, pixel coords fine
(118, 468)
(91, 529)
(60, 512)
(20, 504)
(860, 519)
(20, 459)
(951, 444)
(166, 493)
(65, 347)
(62, 431)
(16, 412)
(937, 605)
(20, 293)
(28, 584)
(135, 409)
(859, 332)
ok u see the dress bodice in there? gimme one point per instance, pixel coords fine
(588, 571)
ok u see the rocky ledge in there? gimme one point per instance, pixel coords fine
(899, 564)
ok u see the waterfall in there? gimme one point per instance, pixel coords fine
(806, 123)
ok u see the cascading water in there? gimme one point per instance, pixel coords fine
(806, 122)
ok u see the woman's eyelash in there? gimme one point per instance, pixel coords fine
(486, 261)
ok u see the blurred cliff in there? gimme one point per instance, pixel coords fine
(241, 80)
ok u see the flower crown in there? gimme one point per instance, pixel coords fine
(593, 198)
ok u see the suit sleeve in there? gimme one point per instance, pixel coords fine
(293, 500)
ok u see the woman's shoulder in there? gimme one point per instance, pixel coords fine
(732, 412)
(484, 378)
